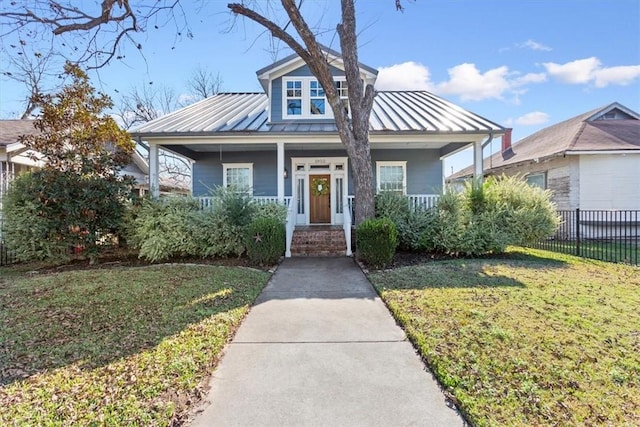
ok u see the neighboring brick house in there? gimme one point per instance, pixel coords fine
(591, 161)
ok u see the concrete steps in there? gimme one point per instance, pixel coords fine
(318, 241)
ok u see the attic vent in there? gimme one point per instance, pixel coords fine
(611, 115)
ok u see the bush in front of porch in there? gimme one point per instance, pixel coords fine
(177, 226)
(484, 218)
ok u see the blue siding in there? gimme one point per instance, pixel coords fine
(424, 169)
(276, 90)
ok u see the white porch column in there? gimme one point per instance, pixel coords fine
(154, 171)
(477, 160)
(280, 171)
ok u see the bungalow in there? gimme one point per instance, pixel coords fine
(591, 161)
(591, 165)
(283, 144)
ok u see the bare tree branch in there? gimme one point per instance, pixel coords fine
(203, 83)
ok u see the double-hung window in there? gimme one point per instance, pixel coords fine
(392, 176)
(341, 87)
(238, 175)
(317, 100)
(293, 97)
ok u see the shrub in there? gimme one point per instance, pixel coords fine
(271, 210)
(214, 236)
(411, 224)
(163, 228)
(377, 240)
(489, 217)
(235, 205)
(265, 240)
(49, 212)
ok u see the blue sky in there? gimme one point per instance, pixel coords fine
(523, 64)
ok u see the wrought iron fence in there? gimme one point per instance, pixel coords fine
(612, 236)
(6, 256)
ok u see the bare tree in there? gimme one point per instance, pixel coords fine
(144, 103)
(99, 29)
(203, 83)
(352, 123)
(33, 70)
(120, 20)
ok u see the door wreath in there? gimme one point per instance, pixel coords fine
(320, 186)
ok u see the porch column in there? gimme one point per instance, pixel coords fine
(280, 171)
(154, 171)
(477, 160)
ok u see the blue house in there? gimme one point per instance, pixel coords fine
(283, 145)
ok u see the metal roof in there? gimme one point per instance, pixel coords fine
(403, 111)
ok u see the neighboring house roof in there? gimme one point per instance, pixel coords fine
(234, 113)
(10, 130)
(587, 132)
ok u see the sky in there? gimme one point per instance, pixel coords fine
(524, 64)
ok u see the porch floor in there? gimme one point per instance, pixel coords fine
(318, 227)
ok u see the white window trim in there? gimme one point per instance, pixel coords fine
(390, 163)
(306, 99)
(226, 166)
(536, 174)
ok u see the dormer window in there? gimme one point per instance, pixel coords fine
(305, 98)
(293, 97)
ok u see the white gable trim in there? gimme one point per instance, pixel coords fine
(611, 107)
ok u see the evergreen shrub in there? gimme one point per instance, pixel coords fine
(377, 240)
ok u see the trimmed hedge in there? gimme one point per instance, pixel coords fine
(377, 240)
(265, 240)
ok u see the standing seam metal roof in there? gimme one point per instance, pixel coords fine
(402, 111)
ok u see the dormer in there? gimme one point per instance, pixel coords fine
(613, 111)
(296, 95)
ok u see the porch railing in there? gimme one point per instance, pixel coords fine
(416, 202)
(206, 202)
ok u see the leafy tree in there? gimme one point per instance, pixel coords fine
(78, 194)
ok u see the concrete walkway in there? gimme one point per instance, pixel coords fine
(319, 348)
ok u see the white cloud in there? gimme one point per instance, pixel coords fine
(405, 76)
(533, 118)
(529, 78)
(591, 71)
(467, 82)
(580, 71)
(534, 45)
(621, 75)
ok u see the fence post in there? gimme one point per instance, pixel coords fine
(577, 231)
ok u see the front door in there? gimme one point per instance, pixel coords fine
(319, 199)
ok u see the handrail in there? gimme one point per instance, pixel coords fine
(346, 225)
(290, 225)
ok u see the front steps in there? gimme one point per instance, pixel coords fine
(318, 240)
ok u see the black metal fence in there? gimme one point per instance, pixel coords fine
(6, 256)
(612, 236)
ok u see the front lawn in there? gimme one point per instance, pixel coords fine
(533, 338)
(122, 346)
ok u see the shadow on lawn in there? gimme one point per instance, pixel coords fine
(424, 271)
(96, 317)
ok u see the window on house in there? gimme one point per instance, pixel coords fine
(392, 176)
(294, 97)
(537, 180)
(304, 97)
(316, 98)
(238, 175)
(341, 86)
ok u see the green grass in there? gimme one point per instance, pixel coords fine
(533, 338)
(126, 346)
